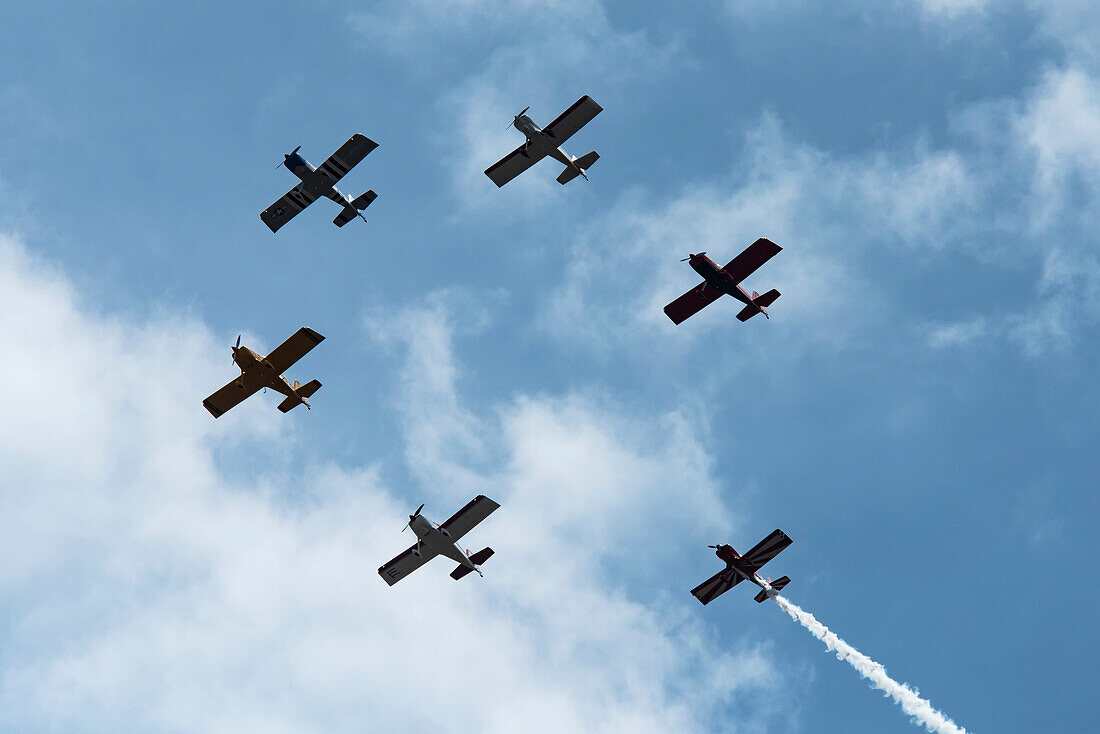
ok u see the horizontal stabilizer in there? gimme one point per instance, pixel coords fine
(289, 404)
(778, 585)
(481, 556)
(746, 313)
(346, 215)
(477, 559)
(586, 161)
(583, 163)
(364, 201)
(305, 391)
(767, 299)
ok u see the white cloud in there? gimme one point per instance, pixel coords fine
(549, 71)
(411, 27)
(951, 8)
(1067, 300)
(1061, 127)
(829, 213)
(957, 334)
(539, 54)
(144, 590)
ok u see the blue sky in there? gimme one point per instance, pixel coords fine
(919, 415)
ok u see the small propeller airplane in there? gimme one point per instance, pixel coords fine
(547, 141)
(321, 181)
(442, 540)
(718, 281)
(259, 373)
(745, 568)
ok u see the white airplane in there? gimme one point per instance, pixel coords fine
(442, 540)
(321, 181)
(542, 142)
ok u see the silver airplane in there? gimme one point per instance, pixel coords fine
(321, 181)
(258, 373)
(547, 141)
(442, 540)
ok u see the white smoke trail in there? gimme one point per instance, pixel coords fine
(909, 700)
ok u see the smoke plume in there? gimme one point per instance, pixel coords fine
(909, 700)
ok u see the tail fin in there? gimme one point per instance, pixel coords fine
(778, 585)
(364, 201)
(477, 559)
(583, 164)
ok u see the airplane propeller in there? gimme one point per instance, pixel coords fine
(694, 254)
(283, 161)
(516, 118)
(237, 346)
(413, 517)
(713, 546)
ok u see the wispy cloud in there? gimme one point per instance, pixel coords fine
(542, 55)
(149, 587)
(830, 212)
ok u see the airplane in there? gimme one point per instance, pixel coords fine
(442, 540)
(321, 181)
(745, 568)
(259, 373)
(547, 141)
(727, 280)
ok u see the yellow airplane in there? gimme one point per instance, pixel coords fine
(259, 372)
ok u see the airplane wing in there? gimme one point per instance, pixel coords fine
(293, 349)
(350, 153)
(228, 396)
(573, 119)
(692, 302)
(405, 564)
(767, 549)
(715, 586)
(464, 520)
(754, 256)
(511, 166)
(283, 210)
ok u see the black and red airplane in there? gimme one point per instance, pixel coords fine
(718, 281)
(745, 567)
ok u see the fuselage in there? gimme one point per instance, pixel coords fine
(437, 539)
(735, 568)
(541, 143)
(317, 184)
(715, 277)
(257, 370)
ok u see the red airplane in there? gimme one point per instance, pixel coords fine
(745, 567)
(717, 281)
